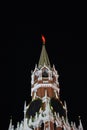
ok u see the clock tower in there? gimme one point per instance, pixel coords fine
(45, 111)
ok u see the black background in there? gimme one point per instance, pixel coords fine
(66, 50)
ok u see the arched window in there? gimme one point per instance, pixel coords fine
(44, 73)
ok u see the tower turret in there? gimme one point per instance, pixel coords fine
(10, 125)
(80, 124)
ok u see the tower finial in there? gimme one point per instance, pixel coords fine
(43, 39)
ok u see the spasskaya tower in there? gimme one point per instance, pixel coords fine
(45, 111)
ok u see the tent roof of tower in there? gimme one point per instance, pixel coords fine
(44, 59)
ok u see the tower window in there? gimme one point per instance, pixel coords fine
(44, 74)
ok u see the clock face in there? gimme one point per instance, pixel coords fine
(33, 108)
(58, 107)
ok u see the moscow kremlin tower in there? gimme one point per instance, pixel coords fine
(45, 111)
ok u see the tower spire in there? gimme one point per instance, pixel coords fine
(44, 59)
(10, 125)
(80, 124)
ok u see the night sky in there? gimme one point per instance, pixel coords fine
(66, 50)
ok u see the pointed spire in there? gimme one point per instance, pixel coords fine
(65, 106)
(44, 60)
(25, 106)
(25, 110)
(10, 125)
(80, 124)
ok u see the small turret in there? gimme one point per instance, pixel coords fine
(65, 106)
(10, 125)
(80, 124)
